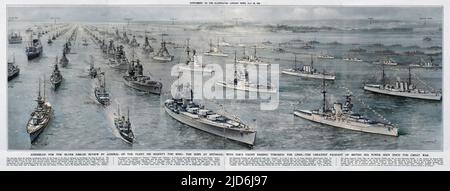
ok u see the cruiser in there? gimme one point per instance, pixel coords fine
(342, 116)
(402, 89)
(425, 64)
(352, 59)
(134, 42)
(13, 69)
(244, 84)
(195, 64)
(92, 69)
(100, 92)
(41, 116)
(189, 113)
(308, 71)
(14, 38)
(163, 54)
(56, 77)
(34, 48)
(147, 48)
(120, 61)
(136, 80)
(251, 59)
(215, 51)
(123, 125)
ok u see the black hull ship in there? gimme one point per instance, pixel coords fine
(56, 77)
(40, 117)
(34, 49)
(123, 125)
(64, 61)
(13, 69)
(100, 92)
(136, 80)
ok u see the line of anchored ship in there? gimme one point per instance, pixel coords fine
(186, 111)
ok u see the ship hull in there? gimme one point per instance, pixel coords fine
(125, 138)
(313, 76)
(345, 124)
(254, 63)
(13, 75)
(404, 94)
(196, 69)
(247, 89)
(153, 89)
(162, 59)
(32, 55)
(35, 134)
(10, 41)
(247, 138)
(215, 54)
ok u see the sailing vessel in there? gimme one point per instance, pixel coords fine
(342, 116)
(215, 51)
(13, 69)
(252, 59)
(123, 125)
(187, 112)
(242, 83)
(308, 71)
(34, 48)
(56, 77)
(14, 38)
(100, 92)
(402, 89)
(40, 117)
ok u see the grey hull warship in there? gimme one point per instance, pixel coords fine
(123, 125)
(136, 80)
(40, 117)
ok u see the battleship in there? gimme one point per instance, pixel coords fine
(13, 69)
(253, 59)
(325, 56)
(308, 71)
(119, 61)
(66, 49)
(56, 77)
(100, 92)
(134, 42)
(195, 63)
(14, 38)
(187, 112)
(92, 70)
(146, 47)
(215, 51)
(163, 54)
(352, 59)
(136, 80)
(40, 117)
(426, 64)
(64, 61)
(123, 125)
(402, 89)
(341, 116)
(242, 83)
(34, 48)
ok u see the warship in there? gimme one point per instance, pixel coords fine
(253, 59)
(125, 38)
(34, 48)
(13, 69)
(14, 38)
(101, 94)
(389, 62)
(352, 59)
(402, 89)
(243, 83)
(111, 49)
(56, 77)
(49, 41)
(187, 112)
(136, 80)
(123, 125)
(308, 71)
(85, 43)
(195, 63)
(425, 64)
(342, 116)
(120, 60)
(146, 47)
(163, 54)
(64, 61)
(92, 70)
(66, 49)
(40, 117)
(134, 42)
(223, 43)
(325, 56)
(215, 51)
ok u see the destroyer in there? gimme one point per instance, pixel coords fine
(123, 125)
(402, 89)
(100, 92)
(195, 63)
(163, 54)
(56, 77)
(215, 51)
(342, 116)
(308, 71)
(253, 59)
(146, 47)
(189, 113)
(64, 61)
(13, 69)
(40, 117)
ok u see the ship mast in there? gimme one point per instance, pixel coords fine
(409, 75)
(295, 61)
(210, 46)
(324, 106)
(255, 53)
(312, 62)
(382, 75)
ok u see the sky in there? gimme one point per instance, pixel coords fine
(222, 13)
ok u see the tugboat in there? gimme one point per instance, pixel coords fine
(253, 59)
(308, 71)
(13, 69)
(64, 61)
(215, 51)
(123, 125)
(100, 92)
(147, 48)
(342, 116)
(187, 112)
(403, 89)
(34, 48)
(56, 77)
(41, 116)
(244, 84)
(163, 54)
(194, 64)
(136, 80)
(14, 38)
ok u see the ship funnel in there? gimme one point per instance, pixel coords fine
(337, 108)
